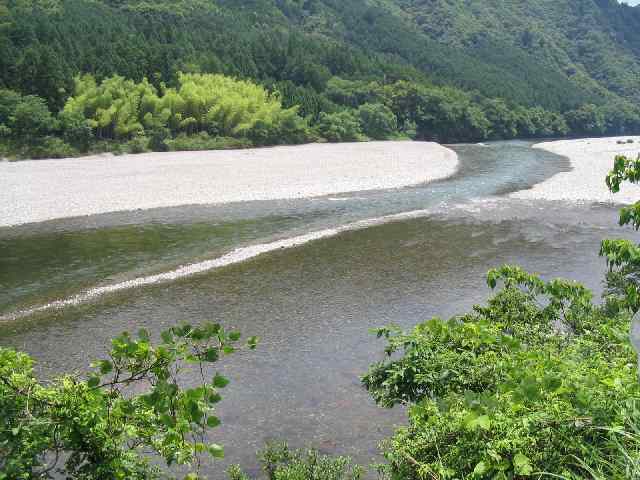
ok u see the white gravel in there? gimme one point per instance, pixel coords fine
(591, 161)
(37, 190)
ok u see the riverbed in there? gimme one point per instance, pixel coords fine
(360, 260)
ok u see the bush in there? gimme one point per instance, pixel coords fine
(138, 144)
(498, 393)
(48, 147)
(31, 119)
(204, 141)
(340, 127)
(76, 130)
(622, 460)
(158, 137)
(53, 147)
(221, 106)
(131, 406)
(281, 463)
(378, 121)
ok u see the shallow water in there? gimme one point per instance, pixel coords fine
(312, 305)
(49, 260)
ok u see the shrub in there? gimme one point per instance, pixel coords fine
(622, 460)
(281, 463)
(377, 121)
(340, 127)
(31, 119)
(138, 144)
(132, 405)
(48, 147)
(53, 147)
(204, 141)
(121, 109)
(158, 137)
(76, 130)
(498, 393)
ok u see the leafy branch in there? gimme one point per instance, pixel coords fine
(137, 405)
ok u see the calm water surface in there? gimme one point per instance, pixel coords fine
(312, 305)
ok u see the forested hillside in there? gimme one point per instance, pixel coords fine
(594, 43)
(445, 70)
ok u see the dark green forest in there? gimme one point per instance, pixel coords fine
(343, 70)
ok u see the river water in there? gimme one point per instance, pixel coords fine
(379, 257)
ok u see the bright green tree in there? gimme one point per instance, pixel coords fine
(499, 393)
(116, 108)
(31, 119)
(341, 126)
(134, 404)
(377, 121)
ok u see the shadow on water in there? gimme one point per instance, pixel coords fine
(313, 305)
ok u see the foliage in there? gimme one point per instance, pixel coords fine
(134, 403)
(341, 126)
(138, 144)
(115, 108)
(623, 256)
(500, 393)
(43, 48)
(587, 120)
(76, 129)
(26, 118)
(622, 460)
(224, 106)
(220, 106)
(203, 141)
(281, 463)
(49, 147)
(593, 44)
(378, 121)
(483, 73)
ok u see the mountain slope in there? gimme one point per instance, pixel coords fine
(43, 43)
(595, 43)
(450, 70)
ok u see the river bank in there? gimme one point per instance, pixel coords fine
(591, 160)
(94, 185)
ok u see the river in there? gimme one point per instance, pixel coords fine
(395, 256)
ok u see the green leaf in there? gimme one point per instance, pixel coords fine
(483, 422)
(481, 469)
(167, 336)
(105, 367)
(522, 464)
(93, 381)
(234, 336)
(213, 422)
(219, 381)
(212, 355)
(168, 420)
(183, 330)
(216, 450)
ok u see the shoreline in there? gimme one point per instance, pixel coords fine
(35, 191)
(591, 160)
